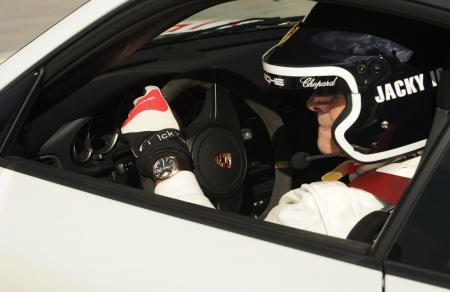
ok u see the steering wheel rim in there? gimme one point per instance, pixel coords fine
(218, 120)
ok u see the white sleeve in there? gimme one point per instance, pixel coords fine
(330, 208)
(183, 186)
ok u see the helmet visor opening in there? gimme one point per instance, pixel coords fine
(352, 43)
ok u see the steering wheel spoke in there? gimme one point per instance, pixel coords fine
(231, 203)
(220, 106)
(218, 110)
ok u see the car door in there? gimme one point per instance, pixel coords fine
(61, 231)
(57, 238)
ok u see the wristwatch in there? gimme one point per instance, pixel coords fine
(162, 154)
(165, 167)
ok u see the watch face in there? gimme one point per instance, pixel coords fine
(164, 167)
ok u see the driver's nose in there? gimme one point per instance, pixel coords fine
(320, 104)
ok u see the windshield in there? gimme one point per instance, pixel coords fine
(233, 13)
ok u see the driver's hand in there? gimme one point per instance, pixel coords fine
(152, 132)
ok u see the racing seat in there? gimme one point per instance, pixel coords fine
(387, 188)
(368, 228)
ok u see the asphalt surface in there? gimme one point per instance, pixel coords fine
(23, 20)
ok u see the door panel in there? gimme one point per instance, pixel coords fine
(55, 238)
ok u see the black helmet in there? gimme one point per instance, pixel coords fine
(387, 67)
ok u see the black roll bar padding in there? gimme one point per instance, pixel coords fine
(442, 113)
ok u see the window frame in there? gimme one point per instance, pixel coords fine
(20, 94)
(401, 217)
(344, 250)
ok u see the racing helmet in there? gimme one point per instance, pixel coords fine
(386, 66)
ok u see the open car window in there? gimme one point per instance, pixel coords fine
(70, 133)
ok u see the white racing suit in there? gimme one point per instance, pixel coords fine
(330, 208)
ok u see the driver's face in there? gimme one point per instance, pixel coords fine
(328, 109)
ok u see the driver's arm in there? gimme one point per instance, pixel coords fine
(160, 150)
(152, 131)
(183, 186)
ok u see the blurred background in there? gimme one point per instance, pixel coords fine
(23, 20)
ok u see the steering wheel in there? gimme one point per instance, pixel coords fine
(215, 141)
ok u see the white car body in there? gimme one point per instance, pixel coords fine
(57, 238)
(61, 239)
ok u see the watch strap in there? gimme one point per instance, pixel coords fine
(140, 142)
(171, 147)
(159, 137)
